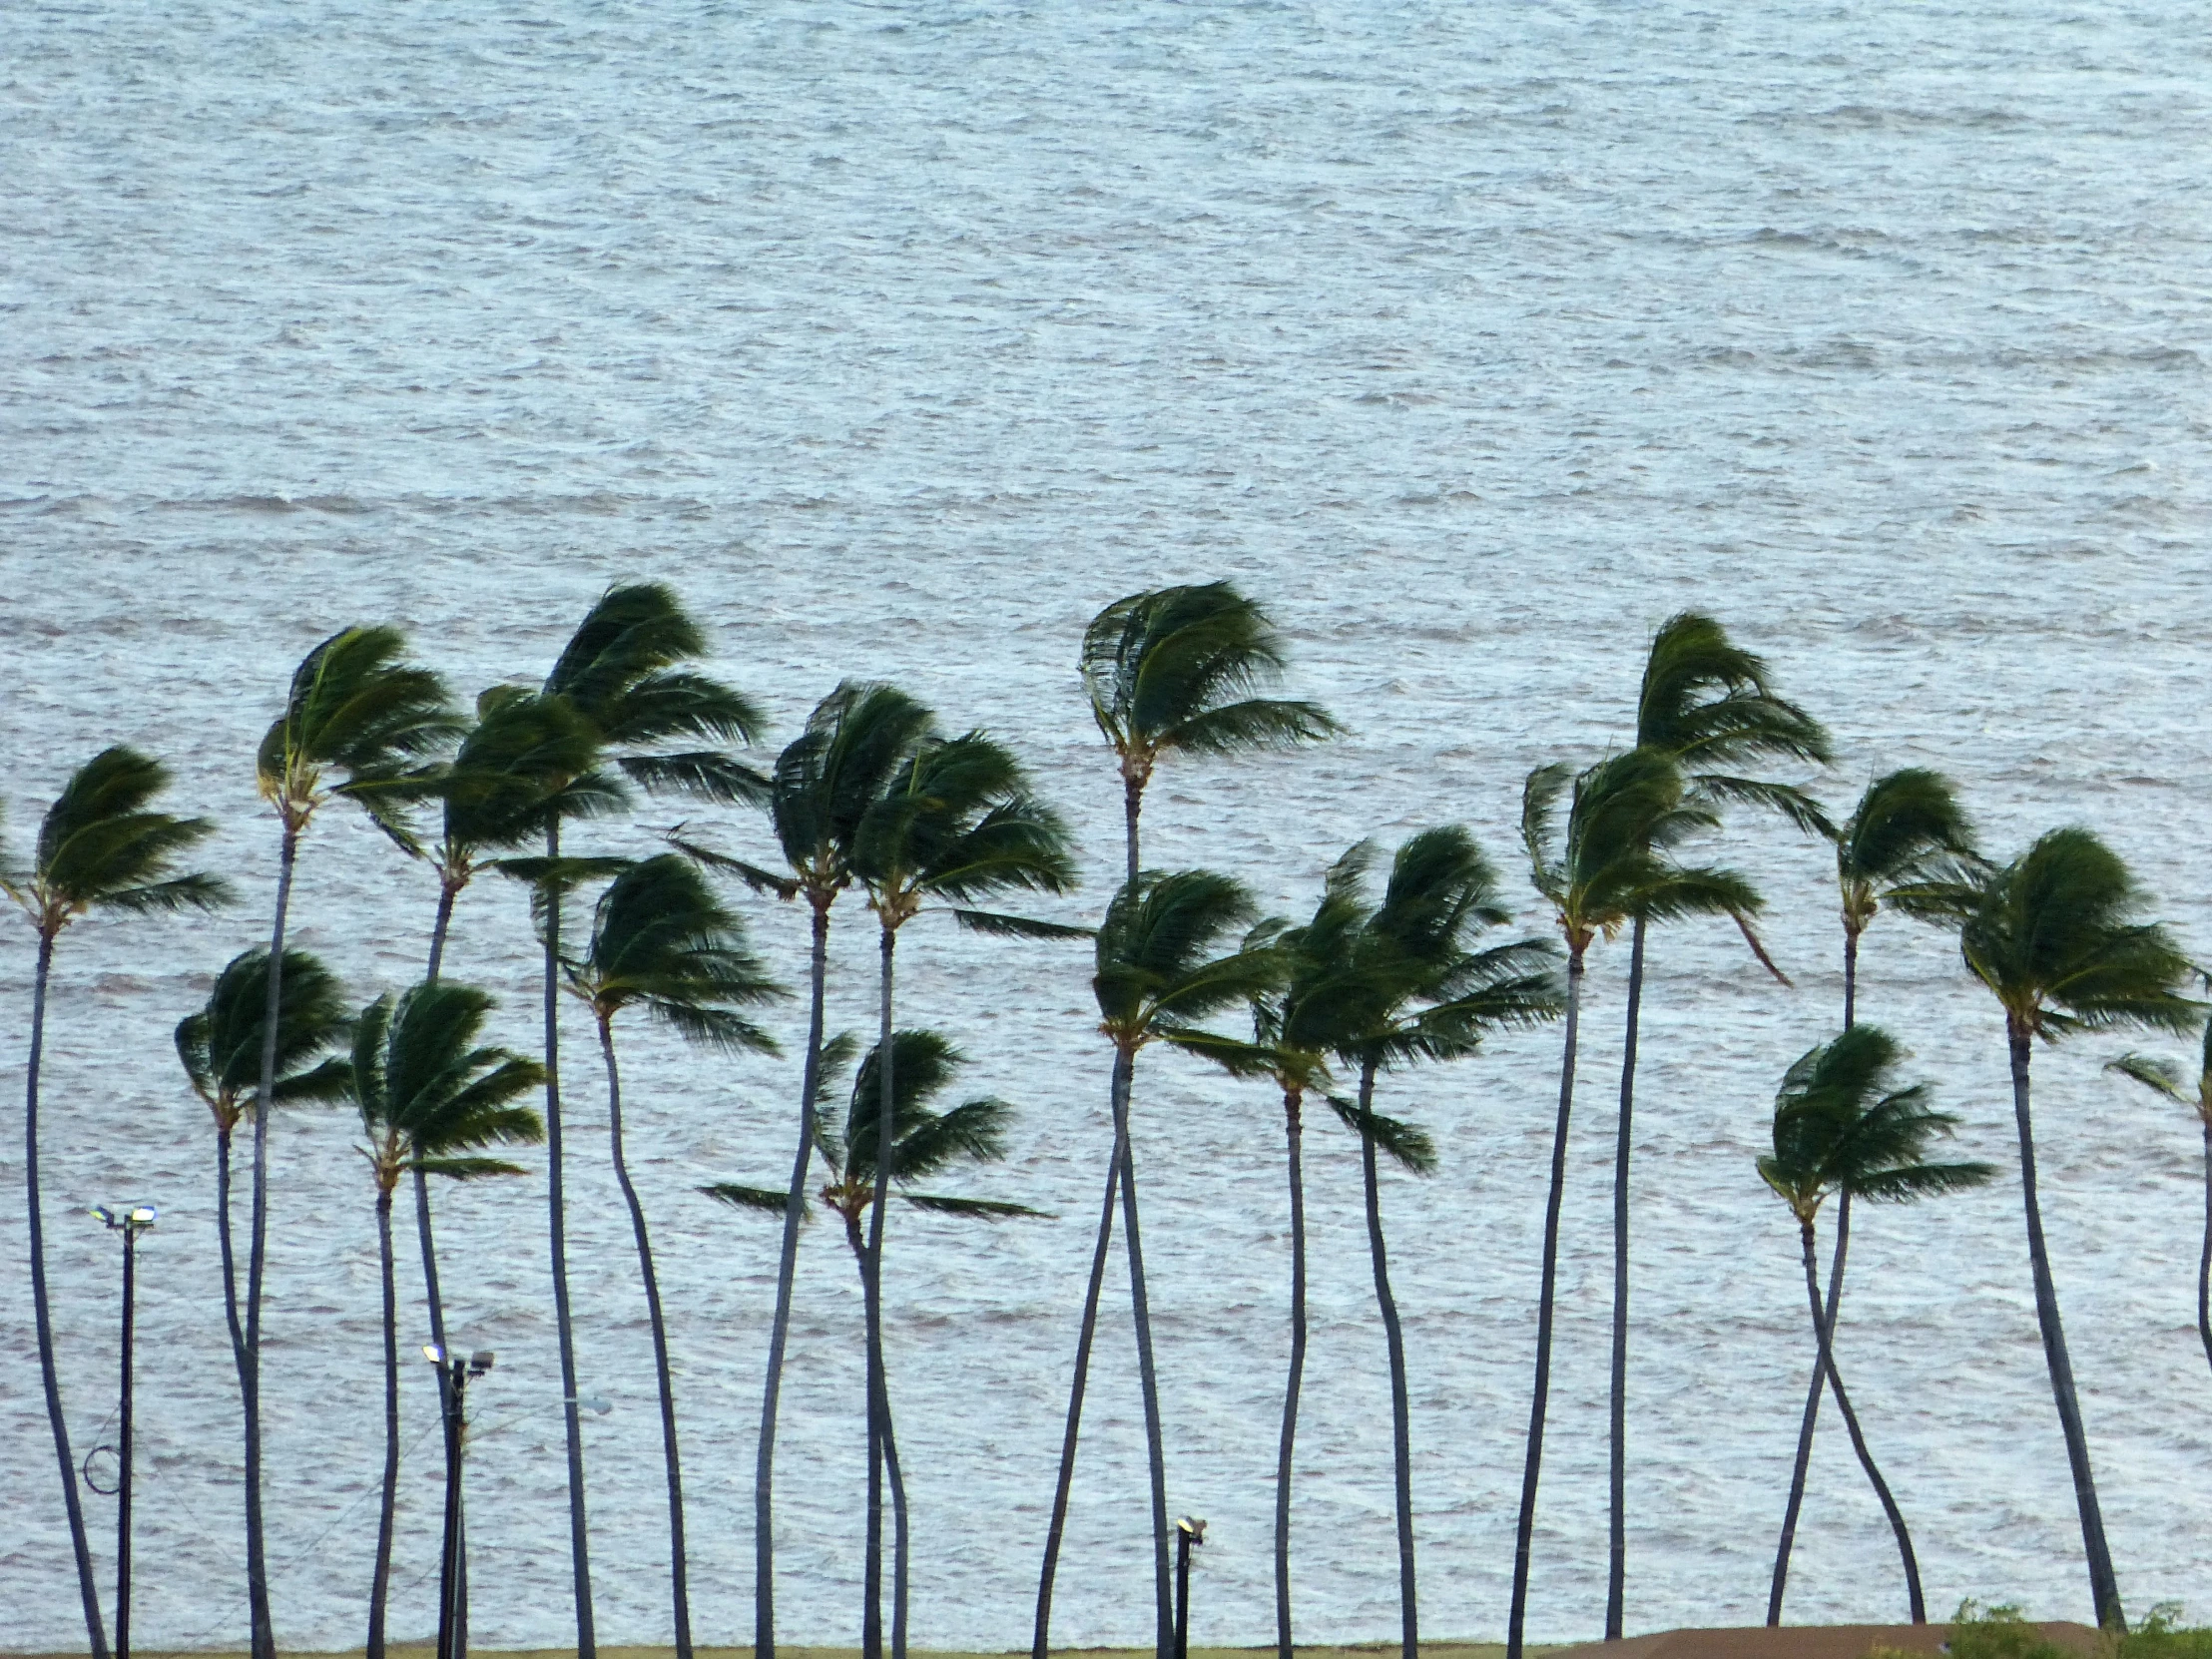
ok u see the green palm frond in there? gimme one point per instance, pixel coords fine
(358, 708)
(465, 1169)
(220, 1043)
(531, 760)
(2153, 1072)
(662, 941)
(752, 1198)
(1405, 1144)
(101, 846)
(753, 875)
(956, 821)
(1709, 703)
(428, 1093)
(829, 778)
(978, 1209)
(1019, 927)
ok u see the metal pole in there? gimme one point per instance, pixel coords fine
(123, 1503)
(459, 1376)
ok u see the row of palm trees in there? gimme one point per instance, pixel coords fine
(875, 797)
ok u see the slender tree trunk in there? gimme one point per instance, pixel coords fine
(1147, 1376)
(786, 1267)
(449, 892)
(222, 1239)
(680, 1593)
(578, 1534)
(256, 1259)
(96, 1629)
(2204, 1261)
(1038, 1648)
(1851, 975)
(892, 1474)
(2104, 1585)
(1616, 1572)
(381, 1582)
(1820, 1338)
(1401, 1423)
(1132, 806)
(1524, 1528)
(1292, 1128)
(872, 1293)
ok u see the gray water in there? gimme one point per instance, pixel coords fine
(904, 336)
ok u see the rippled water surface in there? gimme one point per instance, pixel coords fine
(902, 337)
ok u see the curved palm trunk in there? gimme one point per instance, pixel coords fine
(222, 1239)
(1147, 1380)
(786, 1267)
(2204, 1261)
(80, 1545)
(871, 1290)
(1616, 1571)
(2104, 1585)
(1292, 1134)
(1402, 1426)
(1823, 1334)
(892, 1475)
(447, 894)
(579, 1535)
(1524, 1528)
(1850, 975)
(380, 1583)
(680, 1593)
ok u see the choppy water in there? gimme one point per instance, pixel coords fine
(902, 337)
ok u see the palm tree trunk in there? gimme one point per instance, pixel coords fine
(1820, 1338)
(80, 1545)
(680, 1592)
(1132, 806)
(1125, 1068)
(2104, 1585)
(1401, 1425)
(1616, 1571)
(1038, 1648)
(795, 1213)
(380, 1583)
(257, 1259)
(1850, 975)
(872, 1283)
(2204, 1261)
(892, 1474)
(579, 1535)
(1524, 1528)
(222, 1239)
(447, 894)
(1290, 1135)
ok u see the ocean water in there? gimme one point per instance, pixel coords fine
(901, 338)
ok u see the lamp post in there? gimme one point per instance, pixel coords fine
(130, 1223)
(456, 1374)
(1189, 1534)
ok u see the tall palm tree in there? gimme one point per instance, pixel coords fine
(1842, 1129)
(956, 822)
(101, 846)
(2057, 938)
(1602, 870)
(358, 724)
(2165, 1077)
(1418, 988)
(622, 671)
(662, 944)
(431, 1099)
(1708, 704)
(1158, 974)
(1167, 670)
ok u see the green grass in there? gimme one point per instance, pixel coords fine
(2004, 1633)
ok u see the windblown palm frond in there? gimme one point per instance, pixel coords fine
(1907, 844)
(1158, 972)
(662, 941)
(427, 1091)
(356, 709)
(101, 846)
(221, 1044)
(956, 821)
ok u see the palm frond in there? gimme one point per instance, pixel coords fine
(465, 1169)
(100, 843)
(753, 1198)
(1407, 1144)
(978, 1209)
(753, 875)
(1020, 927)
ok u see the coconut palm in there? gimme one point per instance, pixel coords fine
(101, 846)
(1708, 704)
(1418, 988)
(1167, 670)
(1605, 868)
(956, 822)
(1843, 1129)
(431, 1100)
(622, 671)
(661, 945)
(358, 724)
(2165, 1077)
(2057, 938)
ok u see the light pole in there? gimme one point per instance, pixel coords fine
(130, 1223)
(1189, 1534)
(455, 1375)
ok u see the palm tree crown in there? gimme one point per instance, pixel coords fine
(1708, 703)
(221, 1044)
(1907, 833)
(358, 710)
(1158, 973)
(102, 847)
(529, 760)
(663, 942)
(430, 1097)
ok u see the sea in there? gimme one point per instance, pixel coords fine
(901, 337)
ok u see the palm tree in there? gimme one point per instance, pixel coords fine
(1707, 704)
(662, 944)
(430, 1100)
(1171, 669)
(2166, 1078)
(1418, 989)
(101, 846)
(1156, 977)
(2057, 937)
(1607, 868)
(956, 822)
(1840, 1128)
(358, 724)
(622, 671)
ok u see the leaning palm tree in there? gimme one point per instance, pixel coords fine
(1706, 702)
(1842, 1129)
(1601, 871)
(622, 671)
(431, 1099)
(1167, 670)
(2057, 938)
(1416, 987)
(661, 945)
(101, 846)
(358, 724)
(956, 824)
(2165, 1077)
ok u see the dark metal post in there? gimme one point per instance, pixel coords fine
(123, 1500)
(456, 1379)
(1188, 1532)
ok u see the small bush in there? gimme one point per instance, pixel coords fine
(2163, 1636)
(1998, 1633)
